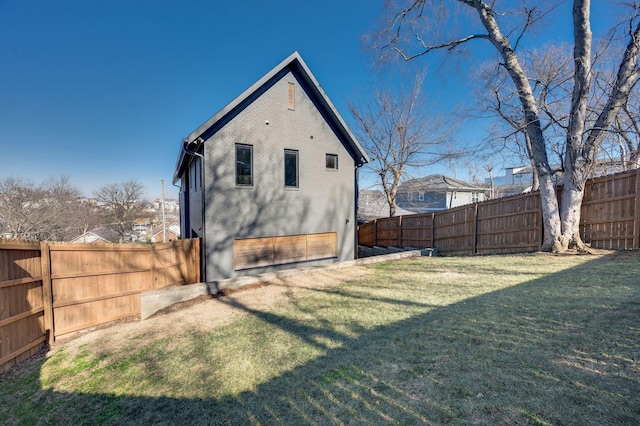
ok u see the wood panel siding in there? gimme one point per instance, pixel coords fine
(268, 251)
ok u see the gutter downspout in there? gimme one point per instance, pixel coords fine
(356, 176)
(185, 144)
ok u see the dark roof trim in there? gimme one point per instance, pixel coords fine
(295, 64)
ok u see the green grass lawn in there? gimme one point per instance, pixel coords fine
(523, 339)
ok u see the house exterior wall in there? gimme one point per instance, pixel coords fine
(323, 202)
(428, 202)
(431, 201)
(461, 198)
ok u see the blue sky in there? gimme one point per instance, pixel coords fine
(104, 91)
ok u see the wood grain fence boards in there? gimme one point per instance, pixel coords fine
(417, 230)
(82, 315)
(367, 234)
(22, 330)
(388, 232)
(609, 212)
(509, 224)
(51, 289)
(454, 230)
(268, 251)
(96, 284)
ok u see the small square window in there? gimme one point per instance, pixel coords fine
(244, 165)
(290, 168)
(420, 196)
(332, 161)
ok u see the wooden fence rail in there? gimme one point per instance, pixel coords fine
(610, 219)
(48, 290)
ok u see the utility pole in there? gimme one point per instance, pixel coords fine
(164, 225)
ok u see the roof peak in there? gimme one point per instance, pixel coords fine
(229, 111)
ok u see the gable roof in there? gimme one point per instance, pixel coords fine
(293, 63)
(438, 183)
(296, 65)
(172, 227)
(100, 234)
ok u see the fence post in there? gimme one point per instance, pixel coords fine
(47, 293)
(400, 231)
(375, 232)
(541, 215)
(636, 220)
(197, 260)
(475, 228)
(154, 276)
(433, 230)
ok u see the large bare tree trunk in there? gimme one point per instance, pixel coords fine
(577, 159)
(580, 154)
(549, 201)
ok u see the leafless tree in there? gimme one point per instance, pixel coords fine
(550, 71)
(46, 211)
(120, 204)
(626, 131)
(426, 22)
(400, 134)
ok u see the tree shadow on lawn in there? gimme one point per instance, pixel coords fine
(562, 349)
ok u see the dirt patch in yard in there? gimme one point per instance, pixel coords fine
(206, 312)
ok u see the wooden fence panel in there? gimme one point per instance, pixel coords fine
(95, 284)
(454, 230)
(176, 263)
(367, 233)
(49, 290)
(509, 224)
(417, 230)
(388, 232)
(22, 325)
(609, 218)
(99, 283)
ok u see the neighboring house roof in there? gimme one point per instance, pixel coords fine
(508, 190)
(173, 228)
(438, 183)
(295, 64)
(372, 204)
(100, 234)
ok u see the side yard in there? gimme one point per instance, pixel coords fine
(514, 339)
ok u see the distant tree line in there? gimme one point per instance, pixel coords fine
(54, 210)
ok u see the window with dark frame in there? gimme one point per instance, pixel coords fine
(290, 168)
(332, 161)
(244, 165)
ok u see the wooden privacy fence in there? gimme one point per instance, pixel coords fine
(610, 219)
(48, 290)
